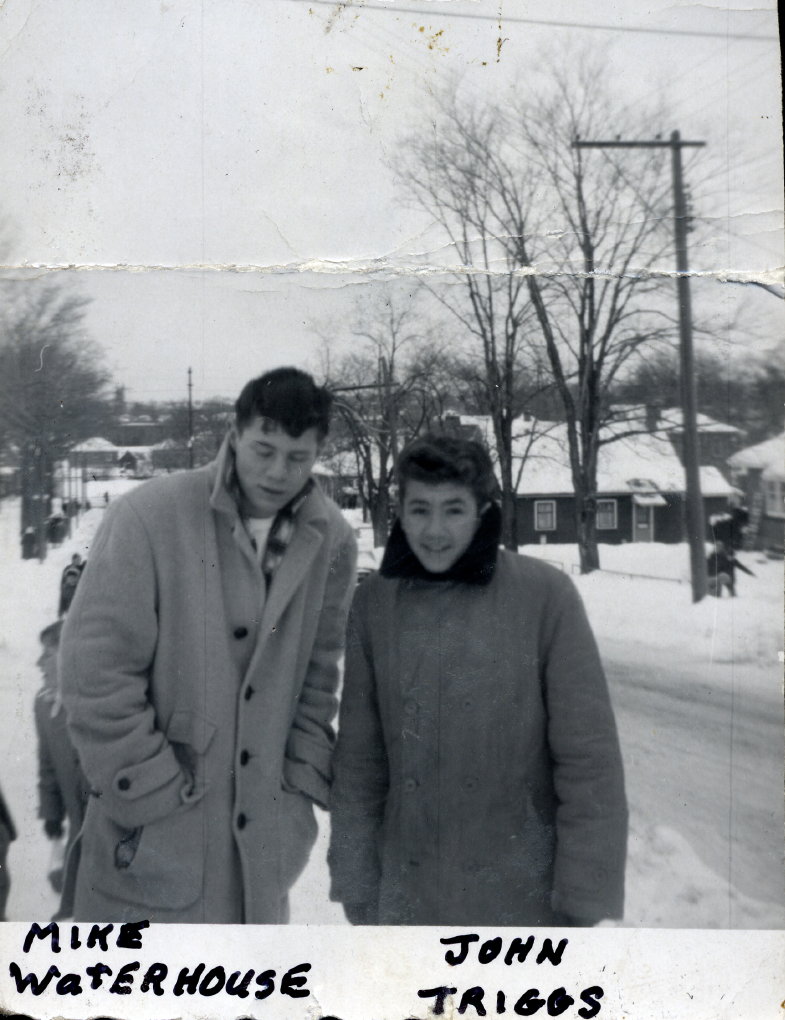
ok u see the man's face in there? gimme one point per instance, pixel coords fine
(47, 663)
(439, 522)
(272, 466)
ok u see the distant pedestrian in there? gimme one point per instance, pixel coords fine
(68, 582)
(721, 567)
(7, 836)
(106, 499)
(55, 529)
(62, 787)
(29, 544)
(730, 528)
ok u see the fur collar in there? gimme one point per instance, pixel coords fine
(476, 566)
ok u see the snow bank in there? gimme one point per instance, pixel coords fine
(696, 898)
(642, 595)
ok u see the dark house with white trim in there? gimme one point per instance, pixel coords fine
(640, 491)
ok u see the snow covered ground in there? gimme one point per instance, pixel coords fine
(724, 648)
(625, 602)
(730, 648)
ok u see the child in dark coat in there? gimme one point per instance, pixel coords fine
(62, 787)
(7, 836)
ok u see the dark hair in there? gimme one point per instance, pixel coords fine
(50, 635)
(439, 458)
(288, 398)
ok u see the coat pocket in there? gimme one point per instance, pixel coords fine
(156, 865)
(190, 734)
(297, 831)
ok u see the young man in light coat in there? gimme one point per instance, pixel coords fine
(199, 666)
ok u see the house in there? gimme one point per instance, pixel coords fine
(759, 472)
(717, 440)
(169, 455)
(328, 481)
(95, 456)
(640, 477)
(136, 461)
(640, 490)
(140, 431)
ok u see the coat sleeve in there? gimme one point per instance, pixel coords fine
(361, 777)
(309, 748)
(50, 798)
(591, 813)
(107, 650)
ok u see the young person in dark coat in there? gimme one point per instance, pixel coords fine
(721, 566)
(477, 777)
(63, 790)
(68, 582)
(7, 836)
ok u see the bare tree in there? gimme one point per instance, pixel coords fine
(447, 173)
(558, 249)
(52, 383)
(387, 391)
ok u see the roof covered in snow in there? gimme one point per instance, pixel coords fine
(768, 456)
(642, 462)
(95, 444)
(669, 419)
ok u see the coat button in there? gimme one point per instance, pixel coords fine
(241, 632)
(241, 821)
(410, 785)
(470, 783)
(468, 703)
(244, 757)
(248, 693)
(124, 783)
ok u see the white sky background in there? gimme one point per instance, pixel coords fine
(203, 134)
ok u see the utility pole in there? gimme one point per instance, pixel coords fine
(190, 419)
(694, 500)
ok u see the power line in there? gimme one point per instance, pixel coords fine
(512, 19)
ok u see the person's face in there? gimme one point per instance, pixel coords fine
(47, 663)
(272, 466)
(439, 522)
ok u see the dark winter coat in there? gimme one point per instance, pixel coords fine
(478, 778)
(7, 836)
(201, 708)
(62, 787)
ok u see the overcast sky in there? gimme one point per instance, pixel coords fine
(259, 135)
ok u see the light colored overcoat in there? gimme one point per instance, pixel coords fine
(200, 705)
(478, 777)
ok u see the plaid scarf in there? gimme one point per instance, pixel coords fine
(281, 532)
(283, 526)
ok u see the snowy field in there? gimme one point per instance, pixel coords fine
(706, 836)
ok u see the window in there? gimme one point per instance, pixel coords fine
(544, 515)
(774, 497)
(606, 515)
